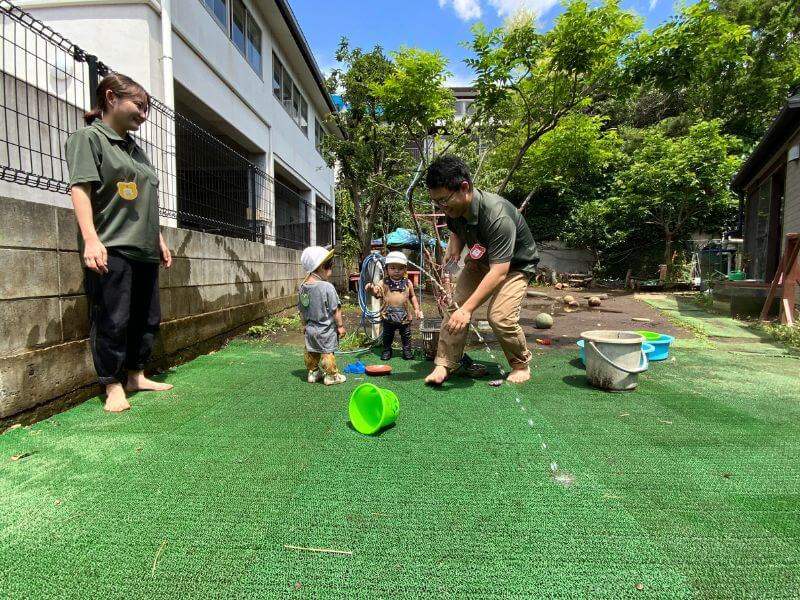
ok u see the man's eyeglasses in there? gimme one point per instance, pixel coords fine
(443, 202)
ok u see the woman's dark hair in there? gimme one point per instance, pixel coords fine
(449, 172)
(121, 86)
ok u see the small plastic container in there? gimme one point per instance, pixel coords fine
(661, 345)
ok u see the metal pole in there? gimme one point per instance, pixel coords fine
(94, 79)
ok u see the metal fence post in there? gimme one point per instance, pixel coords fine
(252, 196)
(94, 79)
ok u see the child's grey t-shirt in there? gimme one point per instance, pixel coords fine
(318, 303)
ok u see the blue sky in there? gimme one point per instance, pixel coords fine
(429, 24)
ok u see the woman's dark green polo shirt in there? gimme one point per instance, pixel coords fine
(124, 189)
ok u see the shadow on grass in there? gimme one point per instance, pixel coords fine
(577, 381)
(576, 362)
(373, 435)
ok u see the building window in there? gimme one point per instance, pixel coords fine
(303, 116)
(243, 31)
(288, 95)
(253, 44)
(319, 135)
(238, 24)
(277, 77)
(218, 8)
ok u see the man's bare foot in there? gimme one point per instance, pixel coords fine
(437, 376)
(115, 398)
(137, 382)
(519, 375)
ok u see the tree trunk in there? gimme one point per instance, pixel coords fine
(517, 162)
(668, 252)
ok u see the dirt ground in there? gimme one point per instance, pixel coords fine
(615, 312)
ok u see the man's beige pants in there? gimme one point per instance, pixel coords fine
(503, 315)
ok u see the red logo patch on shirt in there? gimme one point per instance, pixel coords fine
(476, 252)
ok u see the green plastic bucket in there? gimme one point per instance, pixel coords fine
(649, 336)
(372, 408)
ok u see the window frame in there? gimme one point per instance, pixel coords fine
(289, 96)
(250, 20)
(319, 135)
(224, 26)
(227, 28)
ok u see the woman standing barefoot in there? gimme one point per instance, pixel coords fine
(114, 190)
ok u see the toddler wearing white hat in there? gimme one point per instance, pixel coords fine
(321, 314)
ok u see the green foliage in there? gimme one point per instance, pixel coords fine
(275, 325)
(789, 335)
(388, 102)
(617, 138)
(732, 60)
(677, 185)
(353, 341)
(413, 95)
(528, 81)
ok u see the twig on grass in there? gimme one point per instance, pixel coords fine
(323, 550)
(157, 556)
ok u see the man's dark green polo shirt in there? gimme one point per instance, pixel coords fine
(124, 189)
(495, 232)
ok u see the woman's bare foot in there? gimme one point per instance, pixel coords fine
(137, 382)
(437, 376)
(519, 375)
(115, 398)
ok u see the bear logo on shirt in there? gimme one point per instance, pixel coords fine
(127, 190)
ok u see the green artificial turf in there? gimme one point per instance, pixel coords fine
(712, 324)
(688, 487)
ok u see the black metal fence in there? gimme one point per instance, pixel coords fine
(325, 224)
(292, 217)
(48, 83)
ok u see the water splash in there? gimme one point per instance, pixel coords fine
(560, 477)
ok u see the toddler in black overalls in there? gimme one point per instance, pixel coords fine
(397, 292)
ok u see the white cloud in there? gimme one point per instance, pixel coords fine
(465, 79)
(467, 10)
(507, 8)
(653, 4)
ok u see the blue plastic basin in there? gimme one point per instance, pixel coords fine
(661, 346)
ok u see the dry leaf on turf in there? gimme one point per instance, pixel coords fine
(297, 585)
(640, 586)
(57, 502)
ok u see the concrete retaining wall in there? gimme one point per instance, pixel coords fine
(216, 287)
(556, 256)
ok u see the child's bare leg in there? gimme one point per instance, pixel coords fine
(312, 360)
(332, 375)
(312, 364)
(328, 361)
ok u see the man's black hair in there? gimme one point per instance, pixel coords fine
(448, 172)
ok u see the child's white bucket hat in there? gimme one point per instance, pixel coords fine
(396, 258)
(314, 257)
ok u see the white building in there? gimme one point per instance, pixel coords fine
(241, 70)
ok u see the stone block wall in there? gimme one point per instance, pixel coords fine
(215, 289)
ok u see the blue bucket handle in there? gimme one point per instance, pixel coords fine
(643, 363)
